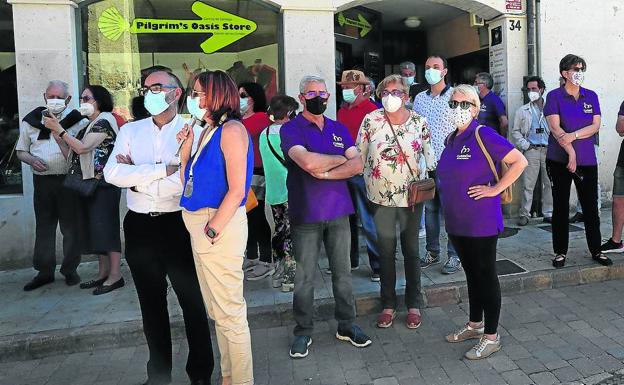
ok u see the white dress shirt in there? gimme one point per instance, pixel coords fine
(151, 150)
(47, 149)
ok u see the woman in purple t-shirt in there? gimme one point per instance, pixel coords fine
(470, 195)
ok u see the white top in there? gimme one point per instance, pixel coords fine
(438, 114)
(48, 150)
(151, 150)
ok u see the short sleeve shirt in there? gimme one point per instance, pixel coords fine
(573, 115)
(438, 114)
(102, 151)
(312, 200)
(274, 171)
(352, 117)
(620, 161)
(462, 165)
(492, 108)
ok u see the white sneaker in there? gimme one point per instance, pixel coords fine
(484, 348)
(260, 271)
(277, 275)
(249, 264)
(422, 233)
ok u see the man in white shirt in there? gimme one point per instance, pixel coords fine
(157, 244)
(53, 203)
(433, 105)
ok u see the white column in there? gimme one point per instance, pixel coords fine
(309, 49)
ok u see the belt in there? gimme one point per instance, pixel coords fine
(538, 145)
(158, 213)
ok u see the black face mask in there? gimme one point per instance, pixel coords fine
(316, 105)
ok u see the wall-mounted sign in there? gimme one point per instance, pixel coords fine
(225, 27)
(361, 23)
(513, 5)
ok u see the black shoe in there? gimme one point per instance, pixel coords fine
(200, 382)
(37, 282)
(611, 247)
(559, 261)
(299, 347)
(103, 289)
(93, 283)
(355, 336)
(72, 279)
(602, 259)
(547, 219)
(578, 217)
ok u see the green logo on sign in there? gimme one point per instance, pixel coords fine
(361, 22)
(225, 27)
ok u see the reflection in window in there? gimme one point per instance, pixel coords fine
(119, 50)
(10, 166)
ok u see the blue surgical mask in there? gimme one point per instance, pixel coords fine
(244, 105)
(408, 79)
(433, 76)
(349, 96)
(192, 104)
(156, 104)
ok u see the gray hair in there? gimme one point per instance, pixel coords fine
(486, 78)
(390, 79)
(60, 84)
(468, 91)
(310, 79)
(408, 64)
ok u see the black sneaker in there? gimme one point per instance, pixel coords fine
(602, 259)
(355, 336)
(299, 347)
(578, 217)
(38, 281)
(612, 247)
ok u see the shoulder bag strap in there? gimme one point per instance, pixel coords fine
(275, 154)
(487, 154)
(396, 139)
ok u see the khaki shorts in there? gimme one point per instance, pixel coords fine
(618, 182)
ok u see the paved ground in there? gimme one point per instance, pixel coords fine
(574, 335)
(56, 306)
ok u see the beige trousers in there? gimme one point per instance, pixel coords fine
(220, 272)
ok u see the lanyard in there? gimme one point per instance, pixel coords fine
(204, 141)
(540, 117)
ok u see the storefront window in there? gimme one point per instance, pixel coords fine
(10, 166)
(124, 39)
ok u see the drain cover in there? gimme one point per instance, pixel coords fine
(507, 267)
(572, 228)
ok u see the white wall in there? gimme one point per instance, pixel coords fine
(594, 31)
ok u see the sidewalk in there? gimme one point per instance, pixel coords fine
(58, 318)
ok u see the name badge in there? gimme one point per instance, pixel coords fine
(539, 130)
(188, 189)
(588, 108)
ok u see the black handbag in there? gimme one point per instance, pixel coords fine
(73, 181)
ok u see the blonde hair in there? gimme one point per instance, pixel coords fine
(468, 91)
(389, 80)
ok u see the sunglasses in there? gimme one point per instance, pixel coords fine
(196, 94)
(463, 104)
(243, 95)
(577, 69)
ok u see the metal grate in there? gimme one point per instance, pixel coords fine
(572, 228)
(508, 267)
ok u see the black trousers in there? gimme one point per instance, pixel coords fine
(157, 248)
(259, 234)
(586, 182)
(54, 205)
(478, 258)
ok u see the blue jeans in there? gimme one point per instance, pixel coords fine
(307, 240)
(433, 216)
(363, 209)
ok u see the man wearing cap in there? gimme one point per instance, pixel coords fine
(356, 94)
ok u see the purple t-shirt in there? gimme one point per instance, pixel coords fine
(573, 115)
(312, 200)
(463, 165)
(492, 108)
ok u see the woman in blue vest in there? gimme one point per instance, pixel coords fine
(216, 180)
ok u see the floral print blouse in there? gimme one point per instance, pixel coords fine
(386, 173)
(102, 151)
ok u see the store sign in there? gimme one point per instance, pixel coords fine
(361, 23)
(513, 5)
(225, 27)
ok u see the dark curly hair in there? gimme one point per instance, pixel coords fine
(255, 92)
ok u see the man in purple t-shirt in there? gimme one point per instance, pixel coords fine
(320, 156)
(614, 244)
(492, 113)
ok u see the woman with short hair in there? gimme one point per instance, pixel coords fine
(470, 194)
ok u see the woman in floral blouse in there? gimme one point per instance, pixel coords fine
(393, 140)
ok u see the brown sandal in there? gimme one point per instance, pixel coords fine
(413, 320)
(385, 320)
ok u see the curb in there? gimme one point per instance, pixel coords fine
(130, 333)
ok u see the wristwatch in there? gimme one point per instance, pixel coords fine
(575, 135)
(211, 233)
(326, 175)
(62, 133)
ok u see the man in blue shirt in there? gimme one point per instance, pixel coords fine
(493, 113)
(530, 135)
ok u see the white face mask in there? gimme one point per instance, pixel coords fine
(156, 104)
(577, 78)
(391, 103)
(408, 79)
(533, 96)
(86, 109)
(460, 117)
(55, 106)
(192, 104)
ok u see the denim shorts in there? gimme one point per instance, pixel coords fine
(618, 181)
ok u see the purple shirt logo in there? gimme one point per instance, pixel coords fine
(588, 108)
(337, 141)
(464, 153)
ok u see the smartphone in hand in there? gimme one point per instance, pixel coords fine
(46, 113)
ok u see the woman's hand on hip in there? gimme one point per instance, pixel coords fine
(482, 191)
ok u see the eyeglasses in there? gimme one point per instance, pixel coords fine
(86, 98)
(195, 94)
(397, 93)
(463, 104)
(577, 69)
(155, 88)
(243, 95)
(313, 94)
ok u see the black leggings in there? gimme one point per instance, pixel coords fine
(586, 182)
(259, 234)
(478, 258)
